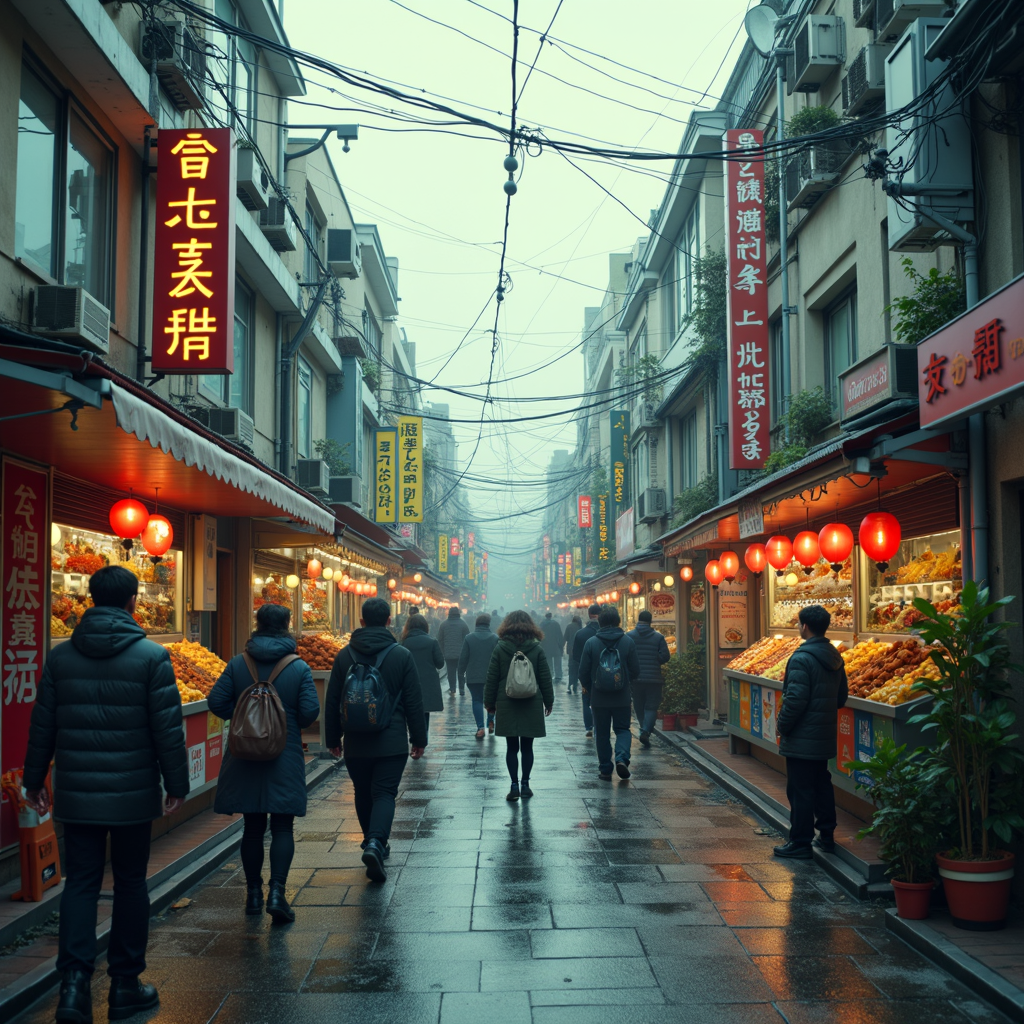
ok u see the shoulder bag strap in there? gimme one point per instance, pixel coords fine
(250, 664)
(281, 666)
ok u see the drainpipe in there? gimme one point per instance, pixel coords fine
(787, 369)
(140, 341)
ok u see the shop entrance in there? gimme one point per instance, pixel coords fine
(223, 641)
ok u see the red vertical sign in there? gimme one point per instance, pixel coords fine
(194, 259)
(584, 515)
(749, 417)
(25, 571)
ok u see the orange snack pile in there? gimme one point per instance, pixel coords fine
(190, 678)
(318, 650)
(765, 654)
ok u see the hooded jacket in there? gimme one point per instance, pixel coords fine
(652, 650)
(813, 690)
(399, 673)
(451, 634)
(608, 636)
(570, 634)
(475, 658)
(553, 641)
(518, 717)
(427, 655)
(583, 634)
(266, 787)
(108, 707)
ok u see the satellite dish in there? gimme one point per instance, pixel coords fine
(760, 24)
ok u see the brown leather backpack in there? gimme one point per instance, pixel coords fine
(259, 726)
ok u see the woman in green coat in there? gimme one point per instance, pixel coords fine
(519, 720)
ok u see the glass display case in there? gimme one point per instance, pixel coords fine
(76, 554)
(795, 589)
(270, 588)
(316, 613)
(927, 567)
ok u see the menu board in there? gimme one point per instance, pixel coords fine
(732, 614)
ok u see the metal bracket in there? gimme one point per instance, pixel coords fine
(155, 380)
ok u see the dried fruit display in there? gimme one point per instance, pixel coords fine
(199, 656)
(901, 689)
(872, 664)
(189, 695)
(191, 676)
(314, 605)
(85, 563)
(767, 652)
(58, 627)
(318, 650)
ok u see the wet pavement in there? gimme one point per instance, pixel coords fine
(641, 902)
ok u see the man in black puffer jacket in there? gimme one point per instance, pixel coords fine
(652, 650)
(109, 708)
(813, 690)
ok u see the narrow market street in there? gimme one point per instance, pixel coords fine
(656, 900)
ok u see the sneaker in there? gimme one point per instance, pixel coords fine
(480, 734)
(825, 841)
(525, 790)
(590, 734)
(513, 793)
(795, 851)
(605, 776)
(622, 770)
(645, 738)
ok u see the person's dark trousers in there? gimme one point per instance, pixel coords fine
(555, 664)
(646, 701)
(606, 720)
(812, 801)
(375, 782)
(453, 673)
(476, 692)
(574, 676)
(282, 847)
(85, 853)
(588, 714)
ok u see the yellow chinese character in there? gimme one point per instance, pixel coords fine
(190, 257)
(190, 205)
(194, 162)
(192, 328)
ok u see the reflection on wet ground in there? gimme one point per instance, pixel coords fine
(600, 903)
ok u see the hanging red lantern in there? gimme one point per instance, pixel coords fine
(392, 584)
(880, 537)
(836, 542)
(314, 568)
(157, 536)
(634, 588)
(713, 572)
(805, 550)
(780, 553)
(128, 518)
(686, 573)
(730, 563)
(755, 558)
(341, 586)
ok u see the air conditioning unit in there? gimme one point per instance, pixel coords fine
(350, 344)
(892, 17)
(864, 81)
(645, 417)
(343, 252)
(862, 12)
(813, 172)
(346, 490)
(252, 183)
(180, 61)
(313, 475)
(231, 424)
(819, 48)
(277, 225)
(652, 505)
(71, 314)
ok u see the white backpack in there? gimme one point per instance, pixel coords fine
(521, 681)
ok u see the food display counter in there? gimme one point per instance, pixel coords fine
(796, 589)
(205, 738)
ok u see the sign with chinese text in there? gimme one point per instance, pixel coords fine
(867, 383)
(442, 552)
(624, 534)
(568, 568)
(732, 613)
(194, 252)
(547, 547)
(747, 301)
(456, 548)
(472, 565)
(605, 536)
(470, 539)
(577, 566)
(751, 517)
(620, 459)
(410, 469)
(25, 561)
(561, 570)
(845, 744)
(584, 512)
(976, 361)
(385, 446)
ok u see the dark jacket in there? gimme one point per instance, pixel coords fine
(428, 658)
(108, 707)
(407, 725)
(475, 658)
(583, 634)
(609, 636)
(518, 717)
(450, 636)
(570, 634)
(553, 641)
(652, 650)
(266, 787)
(813, 690)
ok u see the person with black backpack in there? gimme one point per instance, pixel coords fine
(374, 702)
(608, 668)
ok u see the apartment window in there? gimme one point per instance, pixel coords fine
(234, 389)
(840, 341)
(231, 64)
(687, 253)
(312, 267)
(372, 334)
(304, 411)
(688, 451)
(639, 347)
(778, 371)
(64, 186)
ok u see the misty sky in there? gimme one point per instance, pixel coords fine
(439, 204)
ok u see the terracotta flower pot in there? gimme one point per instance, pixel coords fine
(686, 722)
(668, 722)
(977, 891)
(912, 899)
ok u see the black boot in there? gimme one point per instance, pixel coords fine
(129, 996)
(277, 905)
(254, 898)
(75, 1003)
(373, 858)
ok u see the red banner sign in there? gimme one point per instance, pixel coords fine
(749, 418)
(455, 547)
(25, 573)
(547, 548)
(584, 512)
(470, 539)
(194, 260)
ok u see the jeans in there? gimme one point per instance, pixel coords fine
(85, 851)
(555, 664)
(375, 782)
(574, 673)
(812, 801)
(588, 714)
(646, 701)
(282, 847)
(476, 691)
(606, 719)
(452, 666)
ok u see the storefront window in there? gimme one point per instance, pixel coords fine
(270, 588)
(315, 605)
(795, 590)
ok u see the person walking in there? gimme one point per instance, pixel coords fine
(553, 643)
(450, 635)
(108, 711)
(376, 760)
(609, 689)
(474, 660)
(814, 688)
(652, 650)
(274, 789)
(426, 652)
(571, 629)
(576, 655)
(519, 720)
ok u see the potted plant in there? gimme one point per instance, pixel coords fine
(908, 821)
(684, 685)
(974, 757)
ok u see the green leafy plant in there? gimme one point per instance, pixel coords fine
(334, 454)
(771, 200)
(809, 413)
(371, 374)
(974, 756)
(599, 481)
(936, 299)
(708, 320)
(690, 503)
(812, 120)
(685, 675)
(635, 377)
(910, 810)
